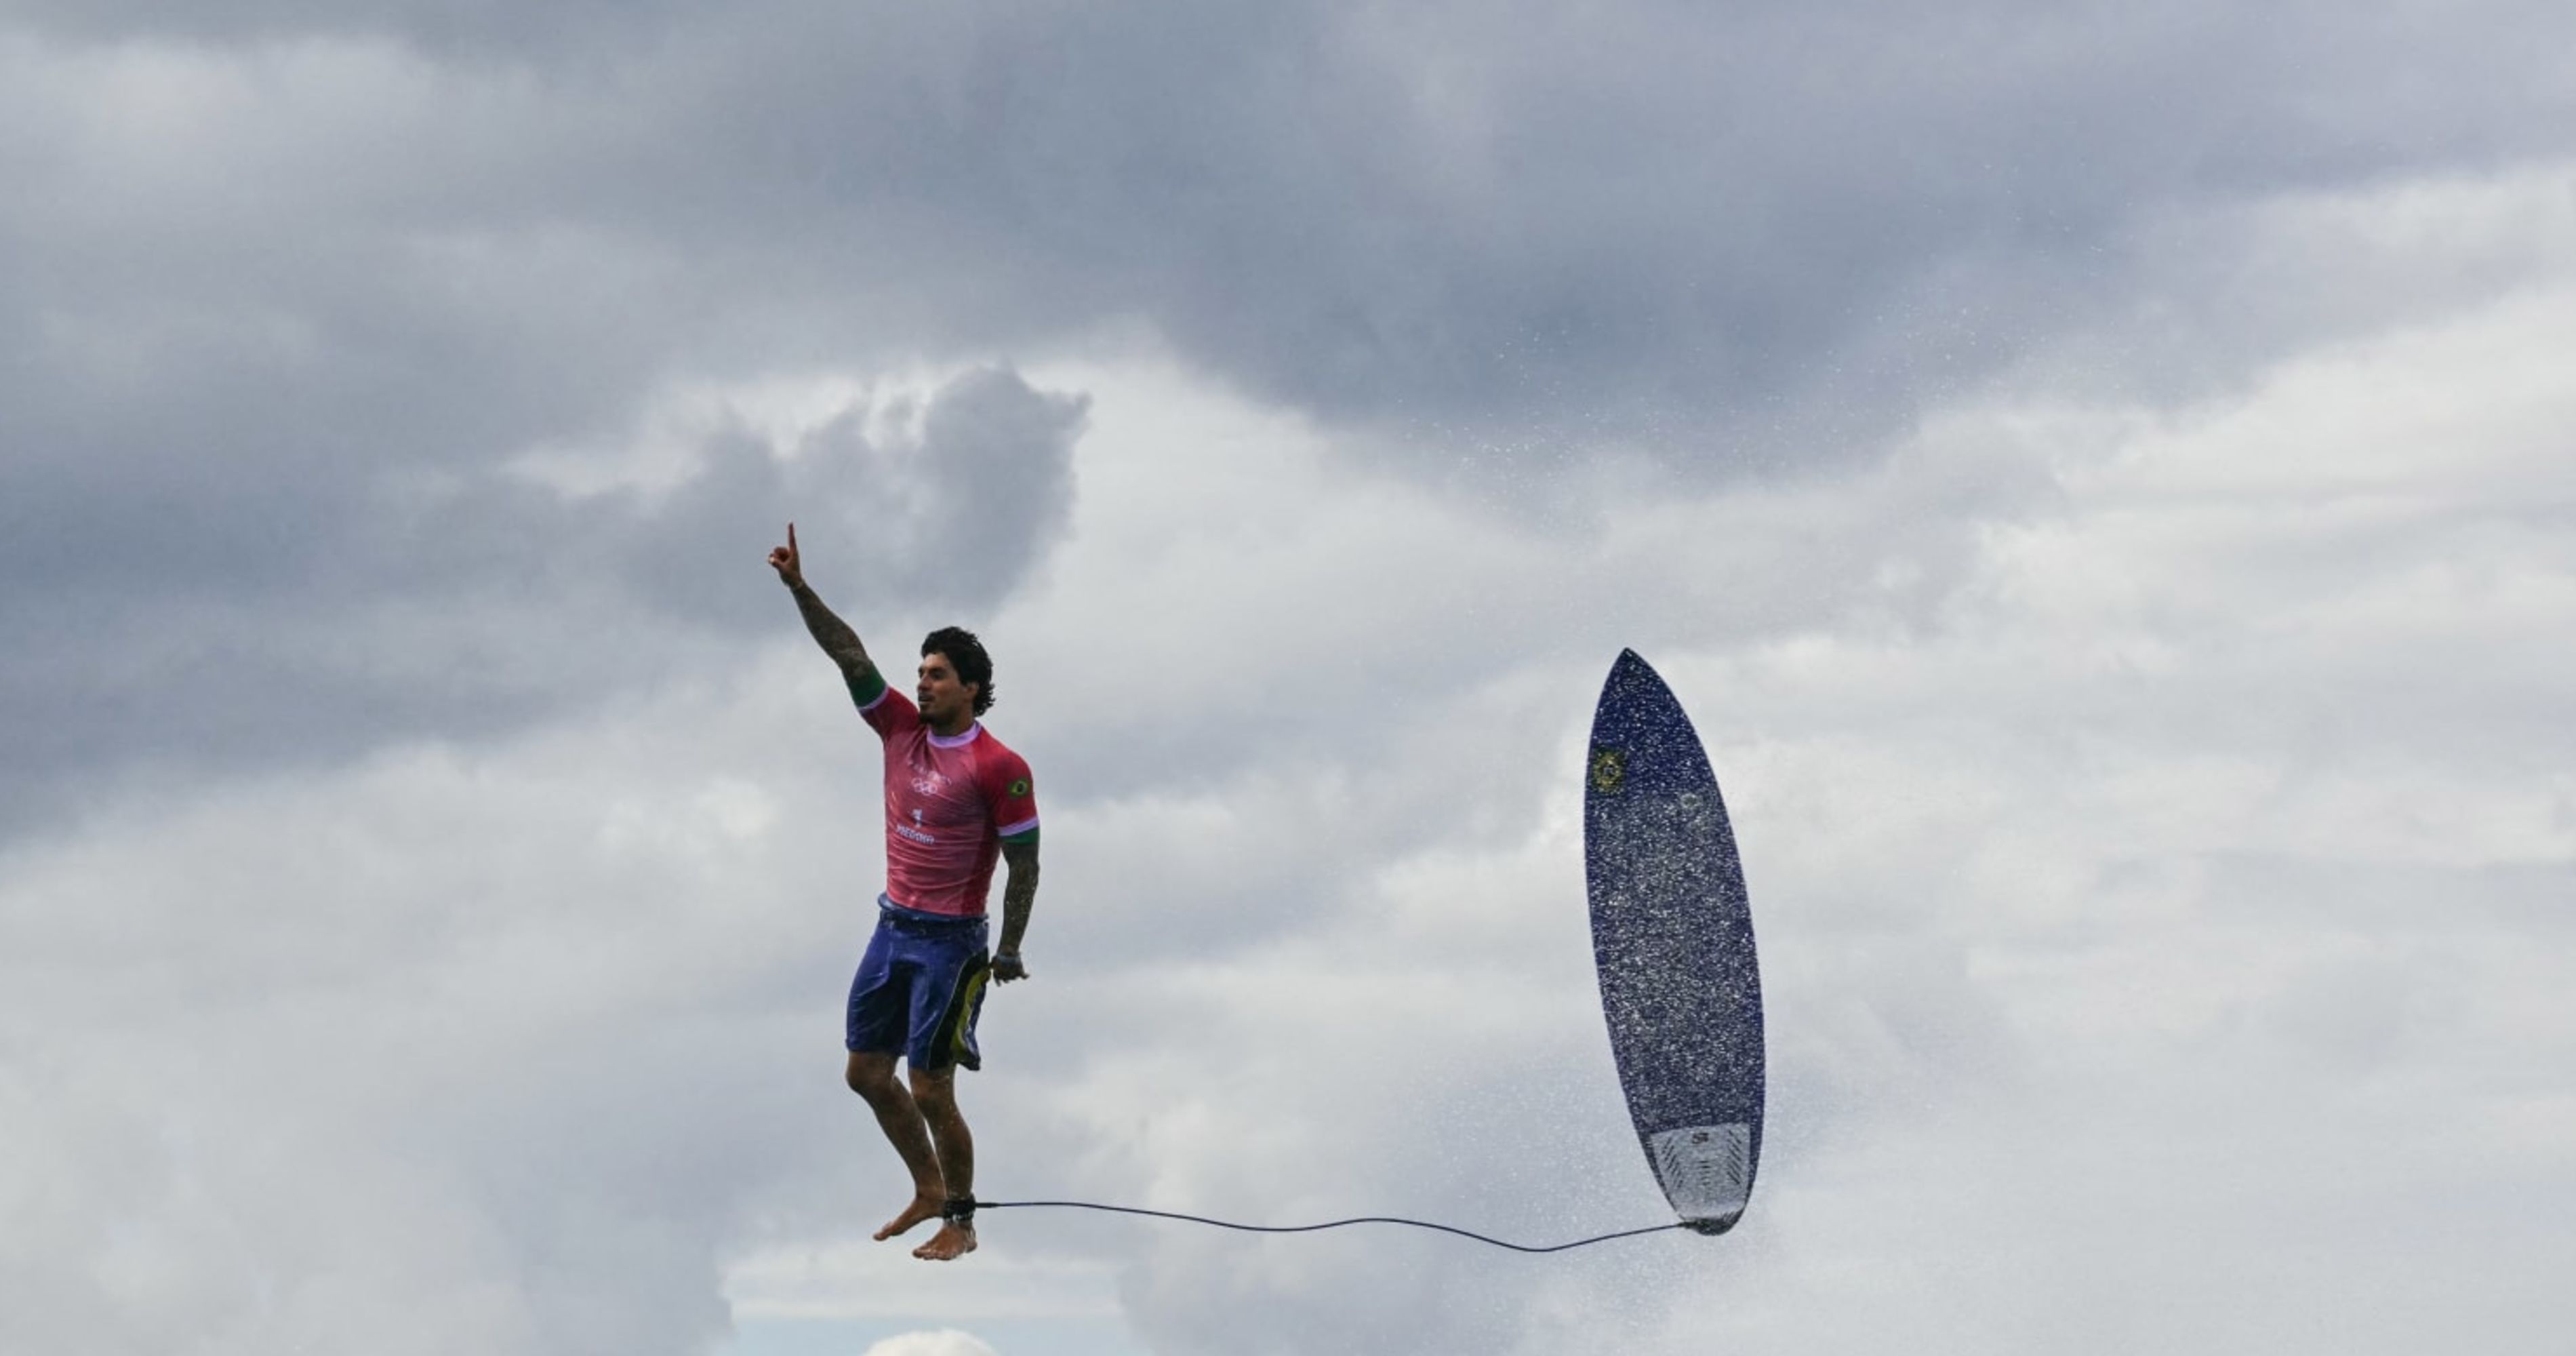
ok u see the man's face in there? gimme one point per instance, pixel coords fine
(943, 700)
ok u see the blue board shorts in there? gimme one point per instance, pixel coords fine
(919, 989)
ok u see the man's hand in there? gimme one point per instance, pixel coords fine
(830, 632)
(1009, 967)
(785, 560)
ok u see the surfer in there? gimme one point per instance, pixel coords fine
(955, 799)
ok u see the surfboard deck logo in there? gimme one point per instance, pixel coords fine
(1672, 941)
(1609, 769)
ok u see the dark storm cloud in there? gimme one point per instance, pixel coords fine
(1756, 227)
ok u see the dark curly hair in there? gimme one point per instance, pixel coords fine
(966, 655)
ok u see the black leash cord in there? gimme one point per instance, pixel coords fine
(1310, 1228)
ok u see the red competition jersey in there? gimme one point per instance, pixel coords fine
(949, 803)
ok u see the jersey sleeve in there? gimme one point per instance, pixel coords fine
(886, 711)
(1011, 798)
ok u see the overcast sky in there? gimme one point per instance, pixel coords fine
(2102, 478)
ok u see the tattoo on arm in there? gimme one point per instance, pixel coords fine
(832, 633)
(1019, 893)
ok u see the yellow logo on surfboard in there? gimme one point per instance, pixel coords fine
(1609, 769)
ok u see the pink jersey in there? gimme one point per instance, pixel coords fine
(949, 803)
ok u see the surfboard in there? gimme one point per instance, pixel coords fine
(1672, 940)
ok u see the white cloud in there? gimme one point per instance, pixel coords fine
(2106, 901)
(944, 1342)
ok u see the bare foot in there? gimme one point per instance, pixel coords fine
(954, 1240)
(924, 1206)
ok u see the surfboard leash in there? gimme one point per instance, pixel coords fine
(1310, 1228)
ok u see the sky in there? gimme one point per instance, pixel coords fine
(2101, 478)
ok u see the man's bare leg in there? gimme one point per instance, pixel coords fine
(935, 1093)
(872, 1076)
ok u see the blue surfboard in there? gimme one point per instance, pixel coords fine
(1672, 938)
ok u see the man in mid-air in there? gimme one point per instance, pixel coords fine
(955, 800)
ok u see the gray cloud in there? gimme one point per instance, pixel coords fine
(1718, 233)
(2077, 941)
(240, 632)
(2074, 799)
(279, 275)
(954, 509)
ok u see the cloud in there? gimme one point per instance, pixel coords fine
(419, 1053)
(2098, 481)
(2062, 860)
(1736, 237)
(944, 1342)
(267, 375)
(461, 606)
(2075, 934)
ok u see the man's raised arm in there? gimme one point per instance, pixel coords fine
(830, 632)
